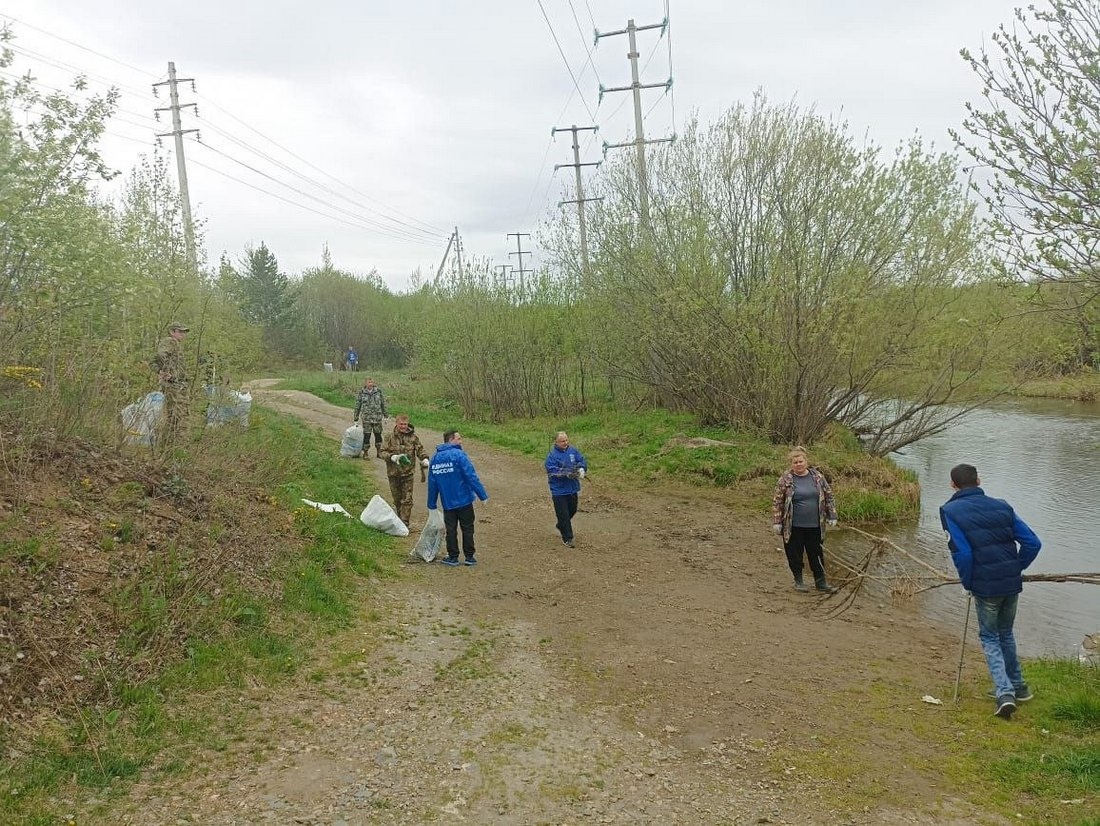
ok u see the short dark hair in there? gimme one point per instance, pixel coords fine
(448, 435)
(964, 476)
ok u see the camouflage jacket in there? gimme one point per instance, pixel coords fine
(407, 443)
(372, 403)
(169, 360)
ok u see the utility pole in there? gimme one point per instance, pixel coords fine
(580, 200)
(520, 251)
(502, 276)
(443, 261)
(181, 165)
(636, 87)
(458, 251)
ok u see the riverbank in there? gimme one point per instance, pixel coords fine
(1084, 387)
(652, 447)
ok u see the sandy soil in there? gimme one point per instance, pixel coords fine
(663, 671)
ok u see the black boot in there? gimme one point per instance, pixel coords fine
(824, 586)
(799, 585)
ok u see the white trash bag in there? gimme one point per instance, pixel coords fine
(431, 538)
(352, 445)
(242, 407)
(141, 419)
(379, 515)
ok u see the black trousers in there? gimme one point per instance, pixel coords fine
(806, 540)
(463, 517)
(565, 508)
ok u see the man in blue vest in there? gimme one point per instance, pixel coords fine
(991, 546)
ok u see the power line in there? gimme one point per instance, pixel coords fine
(430, 227)
(568, 68)
(402, 227)
(281, 198)
(416, 225)
(79, 46)
(590, 17)
(584, 42)
(367, 222)
(69, 67)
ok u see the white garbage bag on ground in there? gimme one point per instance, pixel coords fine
(352, 444)
(431, 538)
(242, 407)
(379, 515)
(141, 419)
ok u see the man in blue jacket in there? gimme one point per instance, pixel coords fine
(991, 546)
(452, 479)
(565, 467)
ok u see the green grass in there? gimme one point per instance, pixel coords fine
(628, 448)
(240, 636)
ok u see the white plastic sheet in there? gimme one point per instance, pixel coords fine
(333, 508)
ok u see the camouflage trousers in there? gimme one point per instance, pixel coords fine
(177, 403)
(402, 489)
(368, 429)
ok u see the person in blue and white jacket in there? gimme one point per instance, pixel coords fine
(453, 480)
(565, 467)
(991, 546)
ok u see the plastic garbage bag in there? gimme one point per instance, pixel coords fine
(141, 419)
(352, 444)
(242, 407)
(431, 538)
(379, 515)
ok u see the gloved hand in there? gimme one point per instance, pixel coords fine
(581, 473)
(832, 523)
(423, 463)
(777, 528)
(396, 458)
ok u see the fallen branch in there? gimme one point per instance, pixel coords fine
(908, 584)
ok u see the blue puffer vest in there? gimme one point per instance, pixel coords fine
(987, 524)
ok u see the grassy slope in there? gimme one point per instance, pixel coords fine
(247, 582)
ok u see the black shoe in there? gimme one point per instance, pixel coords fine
(825, 588)
(469, 561)
(450, 561)
(799, 585)
(568, 543)
(1023, 695)
(1006, 706)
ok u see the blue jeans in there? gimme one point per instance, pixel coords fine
(995, 618)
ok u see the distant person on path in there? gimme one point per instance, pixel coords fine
(991, 546)
(168, 363)
(351, 359)
(402, 451)
(452, 479)
(565, 467)
(371, 403)
(801, 508)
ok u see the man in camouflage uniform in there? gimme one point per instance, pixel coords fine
(372, 403)
(403, 452)
(172, 377)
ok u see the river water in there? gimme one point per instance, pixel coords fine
(1043, 456)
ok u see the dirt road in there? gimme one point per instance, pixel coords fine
(663, 671)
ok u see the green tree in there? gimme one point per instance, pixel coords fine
(791, 277)
(1037, 135)
(266, 294)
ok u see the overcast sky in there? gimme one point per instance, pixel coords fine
(428, 115)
